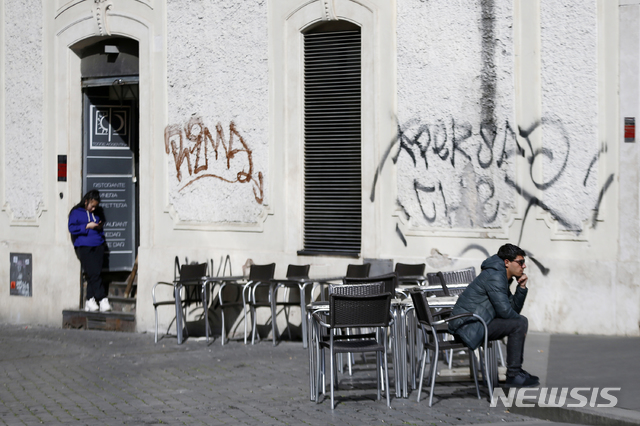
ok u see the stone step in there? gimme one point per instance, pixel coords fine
(123, 304)
(117, 288)
(109, 321)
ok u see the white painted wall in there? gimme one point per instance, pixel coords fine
(23, 99)
(217, 69)
(455, 112)
(569, 83)
(435, 69)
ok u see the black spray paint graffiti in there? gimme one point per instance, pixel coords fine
(230, 163)
(449, 142)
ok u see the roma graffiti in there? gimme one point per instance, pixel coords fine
(484, 154)
(198, 154)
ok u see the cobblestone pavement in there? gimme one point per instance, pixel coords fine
(55, 376)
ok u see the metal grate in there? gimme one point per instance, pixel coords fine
(332, 134)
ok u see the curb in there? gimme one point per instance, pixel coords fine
(584, 416)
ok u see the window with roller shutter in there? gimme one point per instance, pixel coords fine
(332, 140)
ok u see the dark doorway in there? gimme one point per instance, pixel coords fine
(110, 151)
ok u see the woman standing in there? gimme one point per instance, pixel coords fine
(85, 226)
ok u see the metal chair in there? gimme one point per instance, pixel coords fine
(316, 368)
(356, 311)
(185, 277)
(390, 281)
(430, 329)
(259, 294)
(294, 272)
(460, 276)
(410, 270)
(358, 271)
(390, 284)
(353, 271)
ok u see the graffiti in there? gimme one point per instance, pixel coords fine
(455, 145)
(439, 149)
(195, 148)
(400, 235)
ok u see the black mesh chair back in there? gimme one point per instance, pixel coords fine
(390, 281)
(360, 311)
(358, 271)
(406, 269)
(191, 274)
(433, 278)
(421, 306)
(298, 271)
(367, 289)
(460, 276)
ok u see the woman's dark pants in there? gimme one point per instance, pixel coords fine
(91, 259)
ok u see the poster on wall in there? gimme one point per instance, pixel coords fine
(20, 274)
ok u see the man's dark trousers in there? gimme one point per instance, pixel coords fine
(515, 329)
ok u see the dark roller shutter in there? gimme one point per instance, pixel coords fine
(332, 143)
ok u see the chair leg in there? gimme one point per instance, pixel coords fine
(244, 308)
(499, 343)
(474, 370)
(331, 364)
(155, 309)
(424, 363)
(386, 376)
(434, 373)
(274, 325)
(224, 328)
(378, 375)
(319, 370)
(254, 322)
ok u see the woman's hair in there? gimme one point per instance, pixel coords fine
(92, 195)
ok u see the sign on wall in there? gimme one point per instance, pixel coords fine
(20, 272)
(109, 167)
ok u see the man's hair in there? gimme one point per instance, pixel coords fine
(510, 252)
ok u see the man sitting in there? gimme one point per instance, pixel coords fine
(489, 297)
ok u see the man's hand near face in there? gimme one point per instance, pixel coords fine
(522, 281)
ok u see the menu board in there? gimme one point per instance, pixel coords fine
(117, 197)
(109, 167)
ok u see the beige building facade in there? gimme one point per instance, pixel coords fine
(479, 124)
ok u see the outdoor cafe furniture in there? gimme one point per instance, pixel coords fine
(405, 339)
(431, 329)
(447, 280)
(353, 271)
(297, 279)
(253, 293)
(230, 295)
(190, 279)
(410, 274)
(403, 345)
(351, 312)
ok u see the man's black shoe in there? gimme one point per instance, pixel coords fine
(531, 376)
(521, 380)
